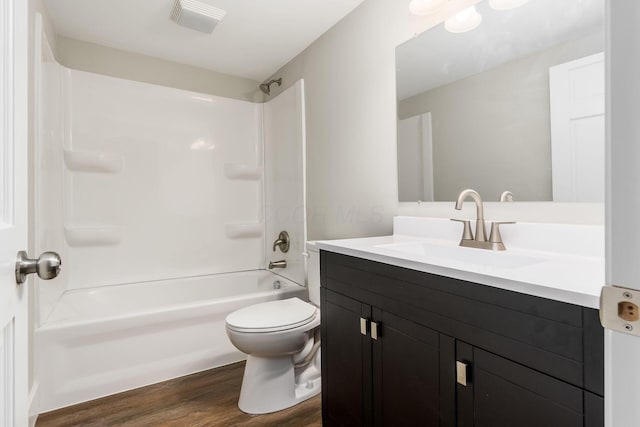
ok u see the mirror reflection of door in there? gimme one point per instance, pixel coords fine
(415, 158)
(577, 129)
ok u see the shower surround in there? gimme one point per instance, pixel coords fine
(143, 187)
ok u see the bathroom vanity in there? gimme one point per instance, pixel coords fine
(408, 339)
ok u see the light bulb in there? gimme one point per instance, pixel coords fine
(425, 7)
(466, 14)
(463, 21)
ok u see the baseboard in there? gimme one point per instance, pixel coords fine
(33, 404)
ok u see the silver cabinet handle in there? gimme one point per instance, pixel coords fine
(461, 373)
(374, 330)
(363, 326)
(47, 266)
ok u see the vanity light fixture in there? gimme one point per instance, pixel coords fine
(506, 4)
(463, 21)
(426, 7)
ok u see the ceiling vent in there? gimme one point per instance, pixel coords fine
(197, 15)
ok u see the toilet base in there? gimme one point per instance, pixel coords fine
(272, 384)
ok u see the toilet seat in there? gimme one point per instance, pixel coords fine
(272, 316)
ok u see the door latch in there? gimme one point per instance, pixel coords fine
(620, 309)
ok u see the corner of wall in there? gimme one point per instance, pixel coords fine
(99, 59)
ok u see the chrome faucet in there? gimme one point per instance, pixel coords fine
(282, 242)
(480, 240)
(277, 264)
(481, 231)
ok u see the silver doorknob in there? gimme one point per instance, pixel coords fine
(47, 266)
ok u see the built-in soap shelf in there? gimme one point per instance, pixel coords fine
(93, 161)
(243, 171)
(244, 230)
(93, 235)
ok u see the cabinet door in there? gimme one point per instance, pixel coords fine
(346, 362)
(413, 374)
(501, 393)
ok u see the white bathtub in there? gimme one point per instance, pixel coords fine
(100, 341)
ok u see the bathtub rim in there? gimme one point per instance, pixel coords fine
(197, 307)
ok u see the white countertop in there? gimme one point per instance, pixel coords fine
(561, 276)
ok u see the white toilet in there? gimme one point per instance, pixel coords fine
(282, 341)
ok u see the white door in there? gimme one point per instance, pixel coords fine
(576, 90)
(622, 351)
(14, 351)
(415, 159)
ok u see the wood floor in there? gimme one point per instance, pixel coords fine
(204, 399)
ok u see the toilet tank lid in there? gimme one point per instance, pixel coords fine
(289, 313)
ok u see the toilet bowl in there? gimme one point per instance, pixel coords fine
(281, 340)
(282, 343)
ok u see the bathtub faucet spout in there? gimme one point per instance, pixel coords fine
(277, 264)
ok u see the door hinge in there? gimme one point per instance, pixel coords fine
(620, 309)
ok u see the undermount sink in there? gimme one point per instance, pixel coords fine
(476, 257)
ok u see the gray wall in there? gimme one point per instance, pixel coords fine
(491, 131)
(99, 59)
(351, 118)
(349, 77)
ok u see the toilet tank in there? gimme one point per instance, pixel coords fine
(313, 273)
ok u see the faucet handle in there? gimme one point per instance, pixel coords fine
(506, 196)
(282, 242)
(467, 234)
(495, 236)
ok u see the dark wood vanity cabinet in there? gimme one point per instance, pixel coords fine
(398, 346)
(368, 380)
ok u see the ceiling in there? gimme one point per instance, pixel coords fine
(254, 40)
(438, 57)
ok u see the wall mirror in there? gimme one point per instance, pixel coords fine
(516, 103)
